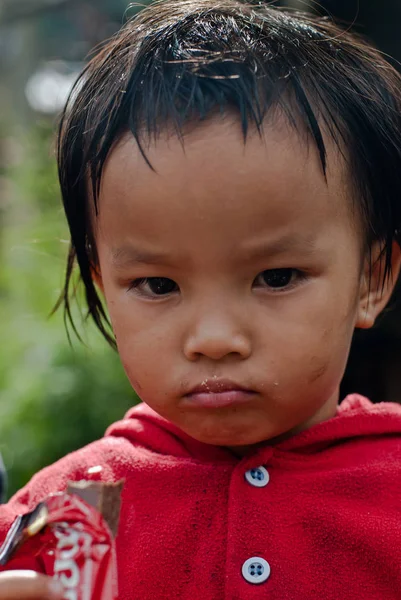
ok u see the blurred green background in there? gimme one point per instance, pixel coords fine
(55, 397)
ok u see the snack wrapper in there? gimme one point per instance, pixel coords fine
(69, 539)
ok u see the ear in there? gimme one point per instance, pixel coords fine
(97, 277)
(374, 293)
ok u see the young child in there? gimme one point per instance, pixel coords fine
(231, 176)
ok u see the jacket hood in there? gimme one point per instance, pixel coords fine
(356, 417)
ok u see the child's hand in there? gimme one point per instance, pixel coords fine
(27, 585)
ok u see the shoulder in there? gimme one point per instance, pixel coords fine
(107, 459)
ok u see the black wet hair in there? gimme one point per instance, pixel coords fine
(180, 61)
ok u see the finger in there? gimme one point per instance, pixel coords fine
(27, 585)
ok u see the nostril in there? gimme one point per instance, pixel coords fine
(216, 344)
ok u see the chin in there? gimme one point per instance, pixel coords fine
(229, 440)
(227, 430)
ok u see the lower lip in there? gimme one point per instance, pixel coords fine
(220, 399)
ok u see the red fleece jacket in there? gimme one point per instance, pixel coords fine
(322, 517)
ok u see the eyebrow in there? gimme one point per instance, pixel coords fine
(287, 243)
(129, 255)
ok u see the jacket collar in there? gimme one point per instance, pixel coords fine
(356, 417)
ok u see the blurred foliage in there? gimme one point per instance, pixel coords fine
(54, 398)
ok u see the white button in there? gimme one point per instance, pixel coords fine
(256, 570)
(258, 477)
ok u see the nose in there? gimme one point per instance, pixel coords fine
(216, 334)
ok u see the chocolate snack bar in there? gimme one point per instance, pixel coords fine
(67, 537)
(106, 498)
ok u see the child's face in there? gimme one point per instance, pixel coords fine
(226, 217)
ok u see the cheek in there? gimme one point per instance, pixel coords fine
(331, 348)
(147, 340)
(138, 361)
(146, 355)
(316, 347)
(318, 370)
(137, 329)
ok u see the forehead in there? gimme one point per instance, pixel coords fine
(211, 181)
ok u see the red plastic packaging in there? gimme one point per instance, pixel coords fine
(69, 540)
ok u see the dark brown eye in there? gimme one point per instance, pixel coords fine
(278, 278)
(158, 286)
(161, 285)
